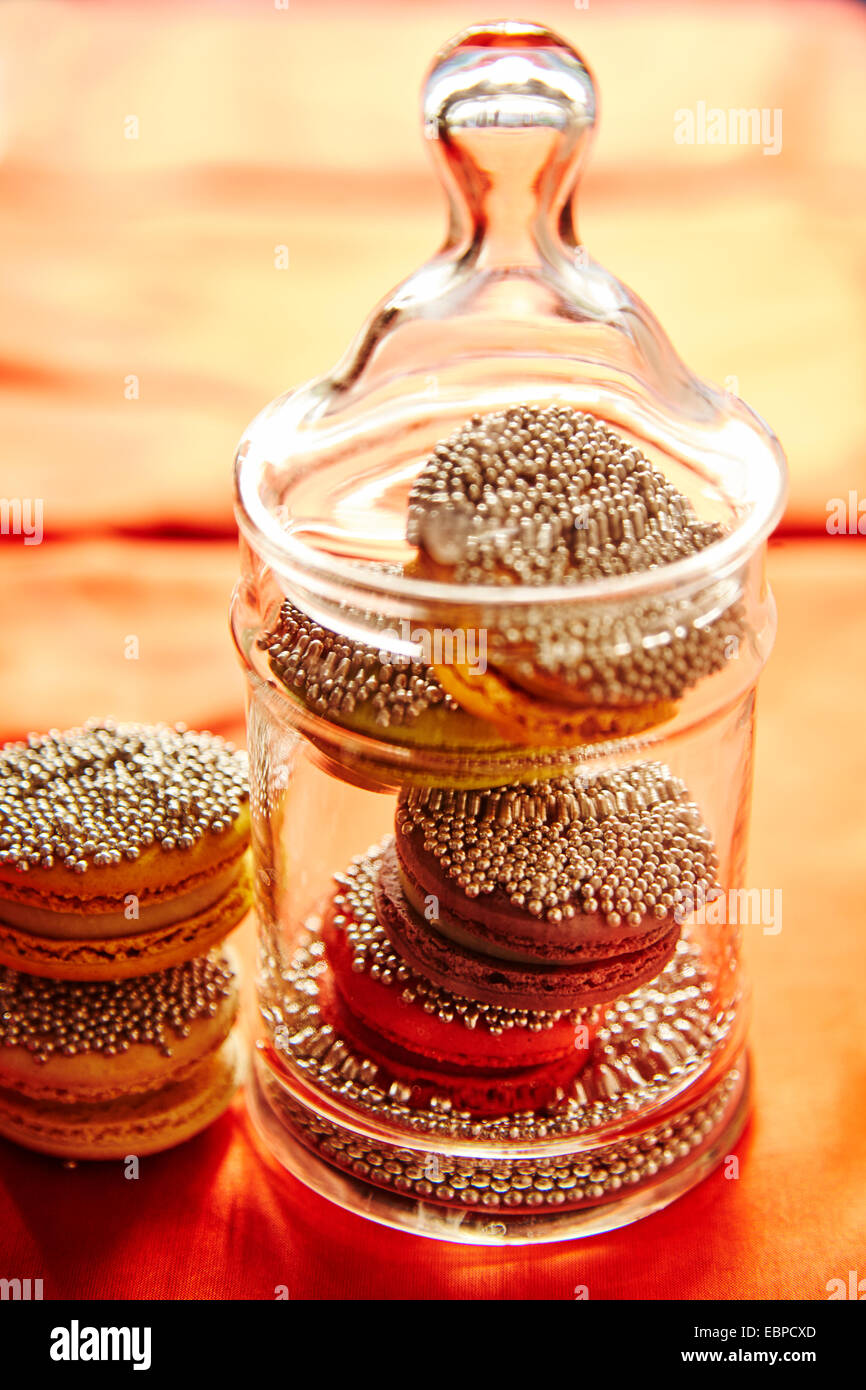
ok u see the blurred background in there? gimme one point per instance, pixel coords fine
(199, 202)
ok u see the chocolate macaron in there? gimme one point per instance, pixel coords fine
(122, 849)
(105, 1069)
(556, 894)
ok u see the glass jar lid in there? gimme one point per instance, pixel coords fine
(510, 311)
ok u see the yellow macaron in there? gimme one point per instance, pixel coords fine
(131, 1125)
(122, 849)
(103, 1069)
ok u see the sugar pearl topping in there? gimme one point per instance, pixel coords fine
(552, 496)
(541, 496)
(623, 844)
(62, 1018)
(629, 653)
(105, 792)
(337, 676)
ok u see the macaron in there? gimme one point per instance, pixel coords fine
(122, 849)
(364, 687)
(420, 1081)
(399, 713)
(554, 497)
(140, 1124)
(105, 1069)
(555, 894)
(494, 980)
(409, 730)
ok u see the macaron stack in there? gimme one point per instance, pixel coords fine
(430, 1044)
(122, 870)
(469, 957)
(510, 964)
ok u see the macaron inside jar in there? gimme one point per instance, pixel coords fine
(553, 497)
(558, 893)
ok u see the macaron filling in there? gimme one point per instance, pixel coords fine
(89, 918)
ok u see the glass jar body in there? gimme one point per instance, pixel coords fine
(664, 1092)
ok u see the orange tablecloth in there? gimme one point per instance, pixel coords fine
(155, 258)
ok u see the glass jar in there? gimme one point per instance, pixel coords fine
(530, 691)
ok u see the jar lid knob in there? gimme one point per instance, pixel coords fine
(509, 107)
